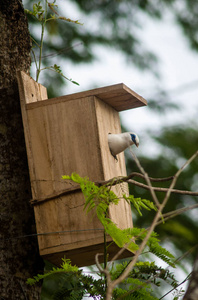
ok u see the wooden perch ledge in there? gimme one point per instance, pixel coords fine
(117, 180)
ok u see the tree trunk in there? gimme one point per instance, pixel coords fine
(192, 291)
(19, 257)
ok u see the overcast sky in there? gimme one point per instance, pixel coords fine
(178, 66)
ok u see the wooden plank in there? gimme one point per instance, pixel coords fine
(30, 91)
(81, 254)
(72, 228)
(108, 122)
(119, 96)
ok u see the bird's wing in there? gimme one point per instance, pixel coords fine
(116, 143)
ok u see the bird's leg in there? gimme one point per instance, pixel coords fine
(114, 156)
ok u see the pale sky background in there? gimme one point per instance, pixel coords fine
(178, 66)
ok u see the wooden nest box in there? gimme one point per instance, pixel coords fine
(70, 134)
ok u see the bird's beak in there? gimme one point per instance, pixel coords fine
(137, 144)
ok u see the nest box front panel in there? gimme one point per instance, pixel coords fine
(64, 140)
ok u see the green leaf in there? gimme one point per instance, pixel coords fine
(74, 82)
(66, 267)
(139, 203)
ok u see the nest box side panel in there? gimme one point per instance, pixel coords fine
(108, 121)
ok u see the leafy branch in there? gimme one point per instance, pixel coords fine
(116, 180)
(98, 199)
(65, 267)
(40, 13)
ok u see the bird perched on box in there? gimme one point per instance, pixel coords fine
(119, 142)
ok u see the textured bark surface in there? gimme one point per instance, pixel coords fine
(192, 291)
(19, 257)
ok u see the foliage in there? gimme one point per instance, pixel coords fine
(139, 203)
(41, 14)
(65, 267)
(147, 271)
(73, 284)
(60, 283)
(68, 282)
(135, 289)
(118, 25)
(176, 145)
(100, 198)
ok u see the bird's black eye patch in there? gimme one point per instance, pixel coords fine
(133, 137)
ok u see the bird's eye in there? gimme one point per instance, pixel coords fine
(133, 137)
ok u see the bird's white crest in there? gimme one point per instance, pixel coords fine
(119, 142)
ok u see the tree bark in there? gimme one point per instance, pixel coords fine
(19, 258)
(192, 291)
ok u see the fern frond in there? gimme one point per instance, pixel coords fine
(66, 267)
(134, 289)
(146, 273)
(159, 251)
(139, 203)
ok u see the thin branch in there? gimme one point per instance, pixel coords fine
(180, 210)
(176, 177)
(107, 274)
(98, 264)
(119, 253)
(112, 284)
(187, 278)
(120, 179)
(112, 181)
(146, 178)
(159, 189)
(175, 213)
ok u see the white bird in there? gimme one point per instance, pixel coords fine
(119, 142)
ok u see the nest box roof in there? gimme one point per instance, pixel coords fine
(119, 96)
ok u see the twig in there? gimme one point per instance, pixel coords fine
(187, 278)
(98, 264)
(121, 179)
(112, 284)
(118, 254)
(180, 211)
(147, 179)
(175, 213)
(159, 189)
(176, 177)
(114, 181)
(186, 254)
